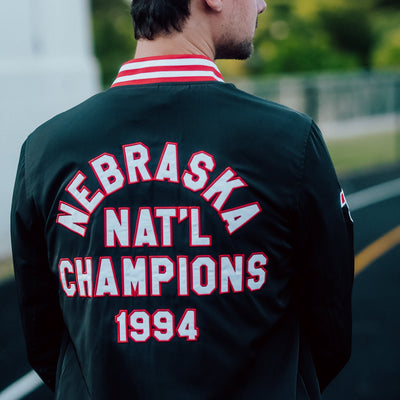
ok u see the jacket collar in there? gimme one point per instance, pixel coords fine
(175, 68)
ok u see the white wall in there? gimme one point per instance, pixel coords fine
(46, 66)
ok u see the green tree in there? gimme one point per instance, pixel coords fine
(290, 41)
(388, 3)
(350, 31)
(292, 36)
(113, 36)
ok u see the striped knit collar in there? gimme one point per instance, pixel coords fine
(174, 68)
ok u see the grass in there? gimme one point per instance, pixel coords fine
(6, 269)
(364, 152)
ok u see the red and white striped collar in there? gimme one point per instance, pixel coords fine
(176, 68)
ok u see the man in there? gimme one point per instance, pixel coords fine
(176, 238)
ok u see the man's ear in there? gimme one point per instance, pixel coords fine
(215, 5)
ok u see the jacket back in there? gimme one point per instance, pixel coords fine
(186, 236)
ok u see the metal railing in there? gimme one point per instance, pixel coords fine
(364, 102)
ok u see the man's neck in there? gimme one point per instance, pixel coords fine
(187, 42)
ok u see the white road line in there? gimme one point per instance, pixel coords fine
(373, 194)
(22, 387)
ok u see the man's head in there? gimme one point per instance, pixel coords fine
(155, 17)
(228, 26)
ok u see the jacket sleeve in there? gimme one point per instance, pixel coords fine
(324, 258)
(37, 287)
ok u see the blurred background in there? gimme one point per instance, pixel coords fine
(336, 60)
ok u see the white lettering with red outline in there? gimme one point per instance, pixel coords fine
(122, 326)
(183, 213)
(187, 327)
(139, 321)
(163, 325)
(139, 326)
(162, 270)
(199, 165)
(137, 156)
(81, 193)
(111, 178)
(204, 267)
(145, 231)
(84, 276)
(134, 276)
(64, 266)
(115, 227)
(72, 218)
(168, 168)
(108, 173)
(154, 272)
(235, 218)
(222, 188)
(202, 275)
(150, 275)
(232, 273)
(183, 275)
(166, 214)
(196, 239)
(255, 268)
(106, 281)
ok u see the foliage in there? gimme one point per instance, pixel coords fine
(315, 35)
(292, 36)
(288, 42)
(113, 36)
(386, 53)
(350, 30)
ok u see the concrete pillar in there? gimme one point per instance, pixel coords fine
(46, 66)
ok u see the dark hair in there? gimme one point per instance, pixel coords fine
(152, 17)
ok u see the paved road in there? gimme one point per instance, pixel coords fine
(373, 372)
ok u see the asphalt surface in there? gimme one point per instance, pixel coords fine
(373, 372)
